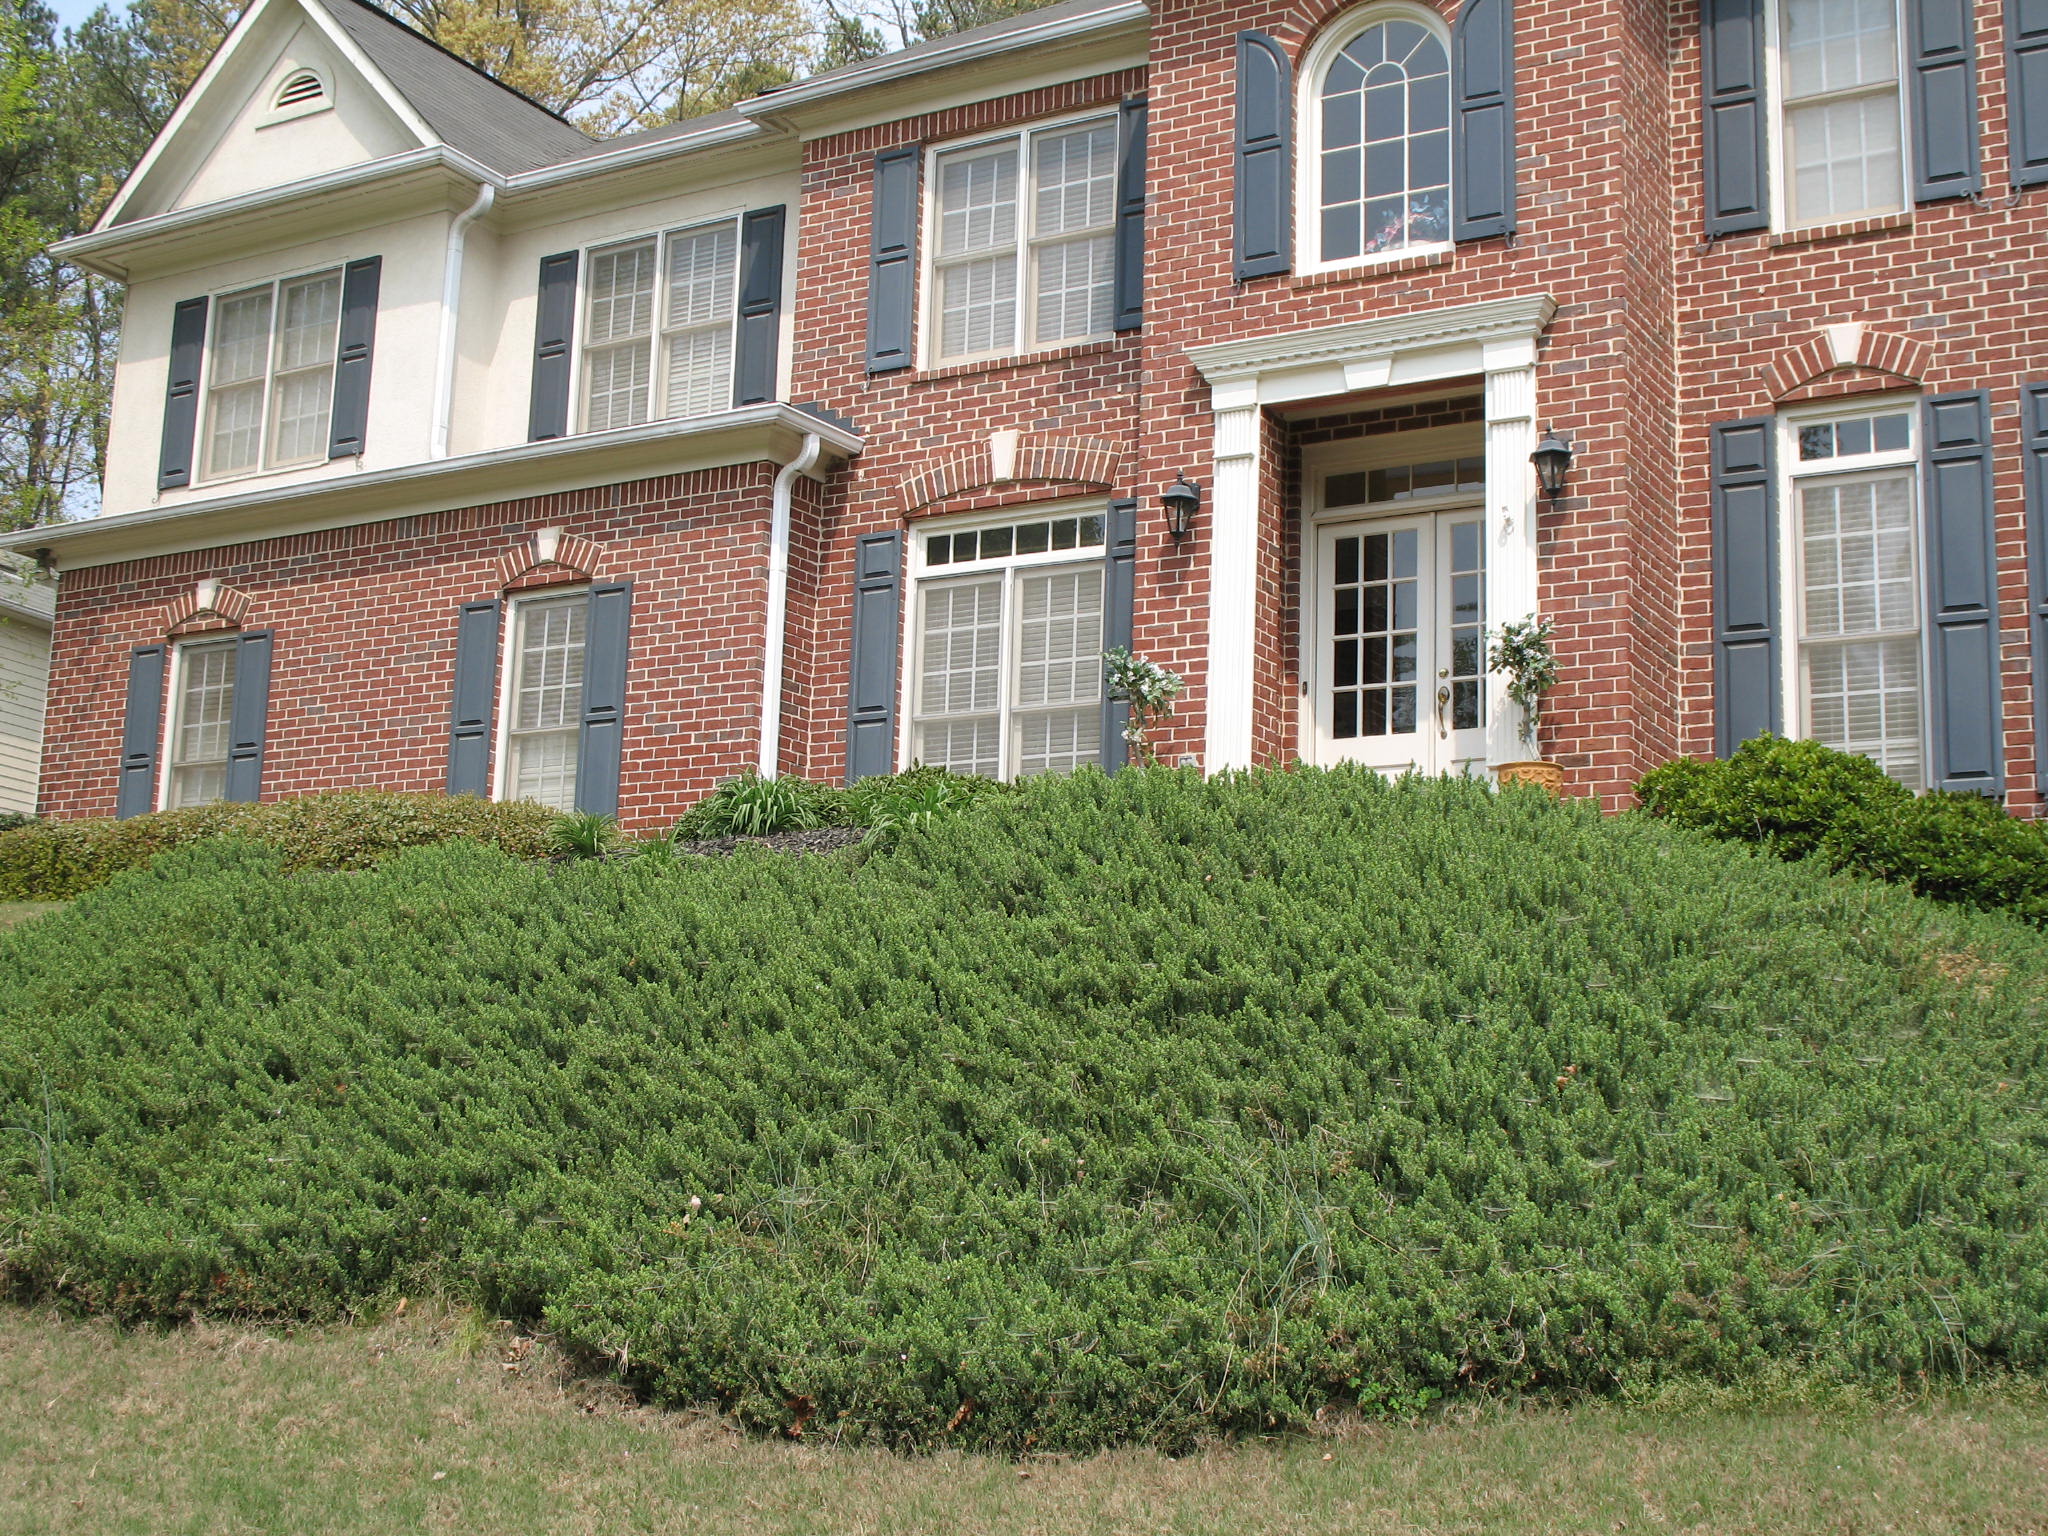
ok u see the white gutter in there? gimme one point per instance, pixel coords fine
(778, 603)
(451, 314)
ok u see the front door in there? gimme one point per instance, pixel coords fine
(1396, 666)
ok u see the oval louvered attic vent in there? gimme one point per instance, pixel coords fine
(303, 87)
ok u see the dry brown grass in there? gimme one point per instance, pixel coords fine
(12, 912)
(434, 1422)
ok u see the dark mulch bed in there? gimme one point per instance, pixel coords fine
(817, 840)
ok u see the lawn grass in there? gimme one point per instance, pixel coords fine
(433, 1421)
(13, 912)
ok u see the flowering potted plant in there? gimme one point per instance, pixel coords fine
(1522, 650)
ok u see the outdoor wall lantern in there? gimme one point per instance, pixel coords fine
(1181, 499)
(1553, 456)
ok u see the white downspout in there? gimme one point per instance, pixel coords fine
(778, 603)
(451, 309)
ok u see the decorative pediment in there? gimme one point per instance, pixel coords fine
(1010, 457)
(1847, 349)
(549, 556)
(210, 605)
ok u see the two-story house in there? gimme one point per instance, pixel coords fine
(846, 428)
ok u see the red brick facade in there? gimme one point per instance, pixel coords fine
(1659, 333)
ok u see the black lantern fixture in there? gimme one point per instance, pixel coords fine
(1181, 500)
(1553, 456)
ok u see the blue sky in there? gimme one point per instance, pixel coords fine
(71, 12)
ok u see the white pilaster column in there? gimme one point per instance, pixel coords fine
(1233, 575)
(1511, 574)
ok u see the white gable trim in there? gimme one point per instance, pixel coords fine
(223, 60)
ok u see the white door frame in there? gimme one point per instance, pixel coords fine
(1497, 339)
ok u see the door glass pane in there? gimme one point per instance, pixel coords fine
(1467, 665)
(1375, 602)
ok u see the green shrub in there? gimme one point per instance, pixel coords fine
(1131, 1107)
(9, 820)
(346, 829)
(1786, 795)
(584, 834)
(1950, 847)
(751, 806)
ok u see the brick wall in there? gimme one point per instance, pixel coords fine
(364, 661)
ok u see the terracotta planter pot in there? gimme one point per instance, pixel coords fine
(1543, 775)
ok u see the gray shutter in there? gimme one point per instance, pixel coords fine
(1732, 66)
(877, 625)
(1745, 538)
(348, 425)
(1483, 120)
(476, 699)
(181, 394)
(554, 328)
(1264, 201)
(248, 716)
(2034, 424)
(753, 379)
(2026, 89)
(1119, 605)
(598, 751)
(892, 260)
(1128, 283)
(1942, 97)
(1965, 728)
(141, 728)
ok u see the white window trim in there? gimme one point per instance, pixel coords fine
(1021, 325)
(1308, 137)
(657, 378)
(916, 574)
(1791, 548)
(508, 672)
(1777, 143)
(203, 471)
(174, 688)
(324, 102)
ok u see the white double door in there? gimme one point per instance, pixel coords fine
(1394, 643)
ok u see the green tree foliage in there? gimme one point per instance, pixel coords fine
(1128, 1108)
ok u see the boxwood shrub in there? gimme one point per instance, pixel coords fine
(345, 829)
(1799, 799)
(1123, 1109)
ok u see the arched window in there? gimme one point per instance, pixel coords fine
(1380, 179)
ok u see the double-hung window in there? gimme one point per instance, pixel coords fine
(204, 702)
(658, 319)
(1378, 168)
(1022, 236)
(543, 711)
(270, 380)
(1854, 557)
(1841, 124)
(1007, 634)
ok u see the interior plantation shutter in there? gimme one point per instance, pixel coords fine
(892, 260)
(476, 699)
(598, 751)
(248, 717)
(877, 626)
(1966, 732)
(1732, 67)
(1942, 99)
(1483, 120)
(2034, 423)
(760, 322)
(1263, 227)
(181, 394)
(2026, 89)
(554, 329)
(1119, 613)
(348, 423)
(141, 729)
(1127, 282)
(1745, 548)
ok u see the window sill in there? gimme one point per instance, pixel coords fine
(1366, 272)
(1848, 229)
(1020, 360)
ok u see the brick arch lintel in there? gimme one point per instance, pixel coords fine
(1849, 345)
(550, 553)
(209, 605)
(1007, 457)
